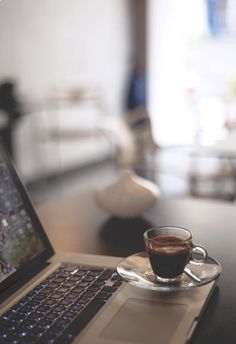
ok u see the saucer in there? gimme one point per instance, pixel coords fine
(136, 270)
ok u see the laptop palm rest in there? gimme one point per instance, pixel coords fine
(145, 321)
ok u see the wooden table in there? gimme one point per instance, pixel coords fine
(77, 224)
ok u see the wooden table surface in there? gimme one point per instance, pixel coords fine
(77, 224)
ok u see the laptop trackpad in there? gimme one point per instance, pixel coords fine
(145, 321)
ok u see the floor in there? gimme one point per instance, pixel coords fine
(172, 176)
(88, 177)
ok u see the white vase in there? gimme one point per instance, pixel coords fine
(129, 196)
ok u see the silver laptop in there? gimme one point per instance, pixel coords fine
(76, 298)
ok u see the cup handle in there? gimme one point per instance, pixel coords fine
(199, 254)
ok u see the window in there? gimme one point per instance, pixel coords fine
(191, 69)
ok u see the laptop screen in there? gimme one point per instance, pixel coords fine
(22, 238)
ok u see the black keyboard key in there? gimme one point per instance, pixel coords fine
(72, 296)
(58, 308)
(49, 302)
(58, 280)
(55, 296)
(22, 314)
(69, 284)
(70, 314)
(81, 301)
(63, 290)
(88, 294)
(50, 316)
(45, 290)
(80, 274)
(16, 318)
(28, 323)
(103, 295)
(32, 304)
(109, 289)
(77, 290)
(65, 302)
(70, 267)
(94, 288)
(63, 274)
(63, 322)
(98, 283)
(74, 278)
(106, 275)
(43, 308)
(94, 273)
(88, 279)
(49, 337)
(38, 331)
(46, 323)
(76, 308)
(83, 284)
(23, 333)
(53, 285)
(39, 298)
(36, 316)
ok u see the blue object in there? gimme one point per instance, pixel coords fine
(216, 13)
(137, 91)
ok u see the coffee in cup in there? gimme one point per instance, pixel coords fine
(169, 250)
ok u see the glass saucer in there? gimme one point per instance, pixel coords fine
(136, 270)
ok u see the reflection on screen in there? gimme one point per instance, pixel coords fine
(19, 241)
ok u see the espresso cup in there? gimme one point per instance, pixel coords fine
(169, 250)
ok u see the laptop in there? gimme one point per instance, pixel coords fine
(48, 297)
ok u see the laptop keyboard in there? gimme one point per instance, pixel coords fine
(57, 309)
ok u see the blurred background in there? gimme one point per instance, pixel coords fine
(88, 88)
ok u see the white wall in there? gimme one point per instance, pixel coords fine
(51, 44)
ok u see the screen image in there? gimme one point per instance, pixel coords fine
(19, 241)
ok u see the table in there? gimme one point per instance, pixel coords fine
(225, 151)
(77, 224)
